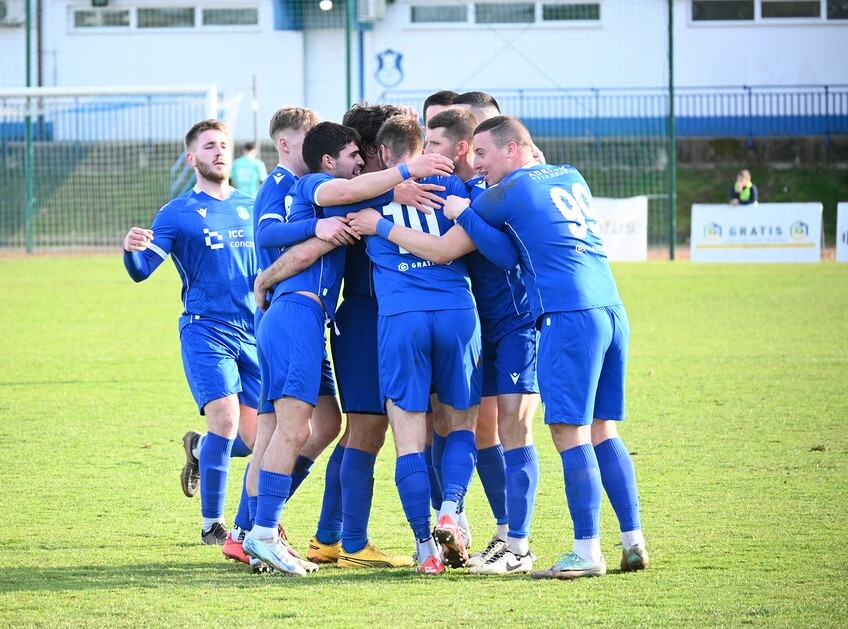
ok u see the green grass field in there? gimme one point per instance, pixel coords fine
(737, 425)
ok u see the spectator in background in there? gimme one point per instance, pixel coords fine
(743, 192)
(248, 171)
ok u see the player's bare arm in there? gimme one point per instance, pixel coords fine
(438, 249)
(344, 191)
(293, 261)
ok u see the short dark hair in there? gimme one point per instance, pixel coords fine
(476, 99)
(401, 135)
(200, 127)
(459, 124)
(506, 129)
(326, 138)
(443, 98)
(248, 146)
(367, 120)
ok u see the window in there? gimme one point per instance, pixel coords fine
(768, 10)
(722, 10)
(504, 13)
(101, 19)
(837, 9)
(230, 17)
(440, 13)
(791, 9)
(571, 12)
(182, 17)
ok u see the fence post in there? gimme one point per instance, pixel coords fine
(672, 140)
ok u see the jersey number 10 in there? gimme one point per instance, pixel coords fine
(410, 217)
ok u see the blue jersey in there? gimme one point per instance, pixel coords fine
(324, 276)
(359, 272)
(211, 243)
(547, 213)
(270, 211)
(500, 295)
(407, 283)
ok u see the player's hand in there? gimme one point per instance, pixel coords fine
(409, 110)
(260, 292)
(365, 221)
(454, 206)
(430, 164)
(421, 196)
(137, 239)
(336, 231)
(538, 155)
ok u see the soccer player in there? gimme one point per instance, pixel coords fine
(287, 128)
(428, 334)
(509, 360)
(354, 344)
(291, 333)
(248, 171)
(436, 103)
(542, 216)
(209, 234)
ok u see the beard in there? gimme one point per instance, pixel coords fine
(207, 171)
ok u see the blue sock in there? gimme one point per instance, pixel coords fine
(330, 521)
(243, 514)
(490, 468)
(522, 481)
(438, 452)
(214, 463)
(240, 448)
(357, 479)
(413, 485)
(619, 482)
(435, 489)
(458, 464)
(251, 504)
(302, 466)
(273, 490)
(583, 490)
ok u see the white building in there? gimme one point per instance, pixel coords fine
(296, 53)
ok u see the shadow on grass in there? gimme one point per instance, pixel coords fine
(204, 575)
(178, 575)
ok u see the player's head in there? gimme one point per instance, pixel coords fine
(249, 148)
(333, 149)
(436, 103)
(367, 120)
(399, 140)
(481, 104)
(209, 150)
(287, 129)
(450, 132)
(501, 145)
(743, 176)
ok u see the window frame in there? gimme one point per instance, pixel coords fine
(758, 18)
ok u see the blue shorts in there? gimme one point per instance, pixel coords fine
(582, 365)
(328, 385)
(354, 348)
(424, 347)
(509, 364)
(292, 349)
(219, 360)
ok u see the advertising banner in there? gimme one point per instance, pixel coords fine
(842, 232)
(623, 226)
(768, 232)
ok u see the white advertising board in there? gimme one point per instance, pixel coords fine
(842, 232)
(768, 232)
(623, 226)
